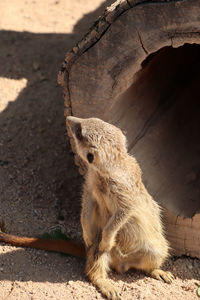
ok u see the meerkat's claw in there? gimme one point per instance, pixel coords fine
(162, 275)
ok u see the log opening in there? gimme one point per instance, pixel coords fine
(161, 117)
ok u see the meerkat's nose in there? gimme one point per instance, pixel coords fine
(73, 120)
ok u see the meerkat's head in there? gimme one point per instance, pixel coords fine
(98, 143)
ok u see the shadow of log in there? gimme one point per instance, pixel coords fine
(39, 182)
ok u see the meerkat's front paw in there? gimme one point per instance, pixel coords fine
(108, 289)
(162, 275)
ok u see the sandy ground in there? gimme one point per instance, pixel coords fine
(40, 187)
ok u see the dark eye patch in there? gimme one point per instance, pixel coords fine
(90, 157)
(78, 133)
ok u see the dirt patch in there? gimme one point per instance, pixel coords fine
(40, 187)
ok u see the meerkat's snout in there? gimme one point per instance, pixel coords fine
(75, 126)
(73, 120)
(73, 123)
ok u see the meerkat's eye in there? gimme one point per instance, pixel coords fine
(90, 157)
(78, 133)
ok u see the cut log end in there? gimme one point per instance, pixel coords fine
(140, 71)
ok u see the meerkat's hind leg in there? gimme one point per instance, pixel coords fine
(162, 275)
(150, 266)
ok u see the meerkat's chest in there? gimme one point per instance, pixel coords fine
(102, 194)
(101, 189)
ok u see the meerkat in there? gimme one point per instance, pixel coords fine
(121, 223)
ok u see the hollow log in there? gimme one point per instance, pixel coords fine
(139, 68)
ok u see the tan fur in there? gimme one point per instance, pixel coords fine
(121, 222)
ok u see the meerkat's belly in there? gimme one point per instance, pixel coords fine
(132, 238)
(128, 238)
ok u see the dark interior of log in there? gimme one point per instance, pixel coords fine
(160, 114)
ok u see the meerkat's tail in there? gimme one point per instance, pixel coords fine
(63, 246)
